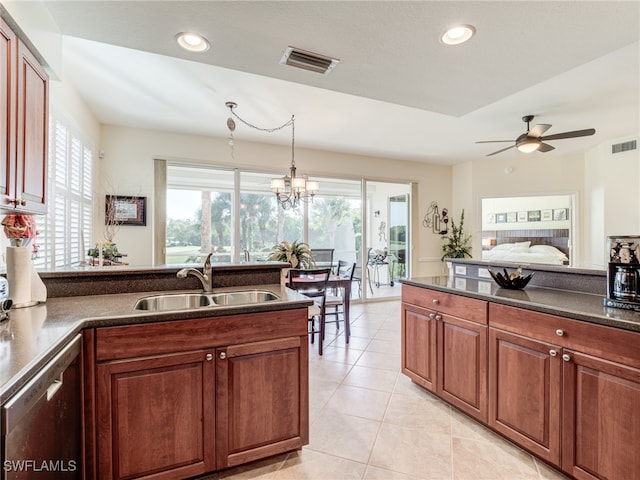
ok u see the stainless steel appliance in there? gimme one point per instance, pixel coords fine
(41, 423)
(623, 274)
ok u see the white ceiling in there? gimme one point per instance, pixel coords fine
(397, 91)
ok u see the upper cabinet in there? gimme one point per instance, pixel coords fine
(24, 101)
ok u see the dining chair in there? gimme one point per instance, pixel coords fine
(335, 304)
(313, 284)
(323, 257)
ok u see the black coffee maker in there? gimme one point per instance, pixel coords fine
(623, 275)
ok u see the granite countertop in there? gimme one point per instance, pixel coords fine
(32, 336)
(576, 305)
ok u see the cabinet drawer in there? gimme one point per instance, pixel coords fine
(186, 335)
(456, 305)
(606, 342)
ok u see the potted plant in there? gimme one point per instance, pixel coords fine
(457, 244)
(296, 253)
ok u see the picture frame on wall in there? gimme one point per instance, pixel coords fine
(125, 210)
(501, 218)
(533, 216)
(512, 217)
(522, 216)
(546, 215)
(560, 214)
(491, 218)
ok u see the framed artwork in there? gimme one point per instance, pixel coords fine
(522, 216)
(501, 218)
(546, 215)
(512, 217)
(491, 218)
(561, 214)
(533, 215)
(125, 210)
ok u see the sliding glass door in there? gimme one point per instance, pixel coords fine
(234, 215)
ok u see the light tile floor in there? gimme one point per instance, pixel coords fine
(370, 422)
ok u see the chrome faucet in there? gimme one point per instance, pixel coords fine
(204, 277)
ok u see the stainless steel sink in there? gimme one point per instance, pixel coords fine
(180, 301)
(189, 301)
(244, 297)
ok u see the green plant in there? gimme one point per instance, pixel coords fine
(296, 253)
(457, 244)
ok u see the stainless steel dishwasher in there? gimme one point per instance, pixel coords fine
(41, 423)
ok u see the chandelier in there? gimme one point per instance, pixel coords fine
(291, 189)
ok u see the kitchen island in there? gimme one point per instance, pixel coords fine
(200, 381)
(552, 370)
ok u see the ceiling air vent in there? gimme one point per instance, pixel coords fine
(313, 62)
(624, 146)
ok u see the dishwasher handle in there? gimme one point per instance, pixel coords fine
(46, 383)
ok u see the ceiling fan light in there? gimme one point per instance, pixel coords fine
(458, 34)
(192, 42)
(528, 145)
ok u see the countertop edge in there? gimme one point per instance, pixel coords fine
(591, 317)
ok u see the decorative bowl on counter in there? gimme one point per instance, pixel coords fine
(513, 281)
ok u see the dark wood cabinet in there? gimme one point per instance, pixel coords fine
(566, 390)
(446, 353)
(419, 345)
(196, 395)
(524, 392)
(601, 428)
(260, 400)
(156, 416)
(462, 365)
(24, 104)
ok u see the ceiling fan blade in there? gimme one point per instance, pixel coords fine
(494, 141)
(576, 133)
(545, 147)
(539, 129)
(499, 151)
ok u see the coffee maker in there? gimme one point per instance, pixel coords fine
(623, 274)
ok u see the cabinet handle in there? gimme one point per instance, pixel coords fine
(432, 316)
(560, 332)
(209, 356)
(23, 202)
(553, 353)
(223, 355)
(566, 357)
(438, 317)
(436, 301)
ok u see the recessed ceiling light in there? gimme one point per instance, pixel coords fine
(458, 34)
(192, 42)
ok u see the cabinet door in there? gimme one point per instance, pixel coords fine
(462, 365)
(156, 416)
(8, 49)
(601, 427)
(262, 400)
(524, 392)
(419, 345)
(33, 126)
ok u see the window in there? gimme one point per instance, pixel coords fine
(66, 229)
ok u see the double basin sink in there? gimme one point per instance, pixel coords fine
(188, 301)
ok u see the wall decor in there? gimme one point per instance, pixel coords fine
(512, 217)
(533, 215)
(522, 216)
(491, 218)
(125, 210)
(560, 214)
(501, 218)
(546, 215)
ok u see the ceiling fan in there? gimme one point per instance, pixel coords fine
(532, 139)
